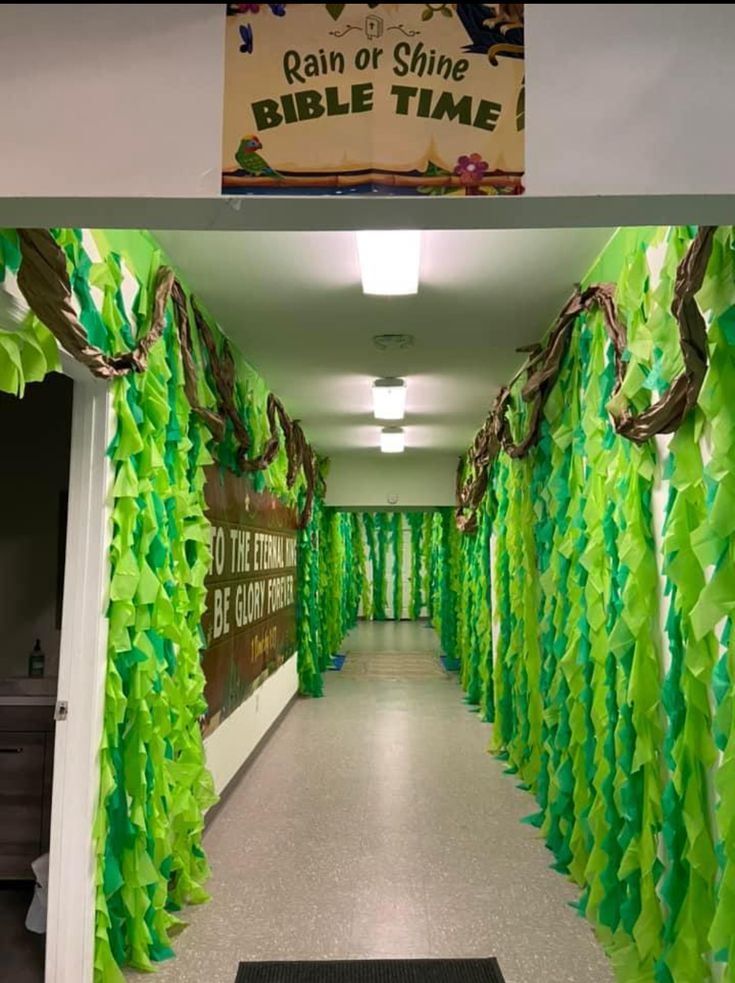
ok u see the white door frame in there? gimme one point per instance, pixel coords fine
(82, 665)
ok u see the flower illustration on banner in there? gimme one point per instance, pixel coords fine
(471, 170)
(279, 9)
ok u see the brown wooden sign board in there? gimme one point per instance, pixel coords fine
(250, 621)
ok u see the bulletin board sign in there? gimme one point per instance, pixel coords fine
(387, 98)
(250, 621)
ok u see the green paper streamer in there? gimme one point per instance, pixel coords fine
(396, 531)
(416, 524)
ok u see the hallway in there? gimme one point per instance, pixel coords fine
(373, 824)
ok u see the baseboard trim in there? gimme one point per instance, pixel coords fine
(245, 766)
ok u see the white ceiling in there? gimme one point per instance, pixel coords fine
(293, 303)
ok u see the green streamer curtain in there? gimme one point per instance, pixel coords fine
(473, 616)
(308, 621)
(444, 578)
(380, 556)
(416, 601)
(373, 536)
(154, 785)
(365, 603)
(426, 546)
(396, 535)
(613, 669)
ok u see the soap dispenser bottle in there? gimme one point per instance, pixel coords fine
(36, 661)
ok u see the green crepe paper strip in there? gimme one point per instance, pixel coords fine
(688, 887)
(603, 895)
(29, 353)
(426, 544)
(575, 664)
(396, 533)
(308, 621)
(556, 785)
(522, 656)
(543, 532)
(355, 572)
(474, 629)
(444, 579)
(435, 559)
(332, 555)
(377, 606)
(365, 605)
(379, 566)
(502, 698)
(481, 612)
(155, 788)
(714, 540)
(339, 579)
(464, 630)
(416, 526)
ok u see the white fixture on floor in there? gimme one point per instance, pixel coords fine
(389, 261)
(389, 399)
(392, 440)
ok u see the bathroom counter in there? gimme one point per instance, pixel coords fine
(26, 767)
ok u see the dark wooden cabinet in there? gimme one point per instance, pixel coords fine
(26, 768)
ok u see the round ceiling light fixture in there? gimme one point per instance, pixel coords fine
(389, 399)
(392, 440)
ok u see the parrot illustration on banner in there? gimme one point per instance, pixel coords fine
(249, 159)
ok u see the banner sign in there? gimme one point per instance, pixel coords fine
(394, 98)
(250, 621)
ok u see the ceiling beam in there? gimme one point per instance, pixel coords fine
(324, 213)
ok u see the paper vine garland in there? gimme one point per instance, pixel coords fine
(44, 282)
(543, 365)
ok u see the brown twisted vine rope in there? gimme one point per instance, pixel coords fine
(44, 282)
(544, 364)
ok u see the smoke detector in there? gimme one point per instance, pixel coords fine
(393, 342)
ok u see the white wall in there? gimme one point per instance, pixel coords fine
(125, 99)
(35, 435)
(232, 743)
(111, 99)
(422, 480)
(629, 98)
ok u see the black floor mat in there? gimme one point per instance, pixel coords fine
(373, 971)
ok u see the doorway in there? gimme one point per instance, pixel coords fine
(34, 490)
(54, 539)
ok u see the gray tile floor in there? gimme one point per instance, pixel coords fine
(374, 823)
